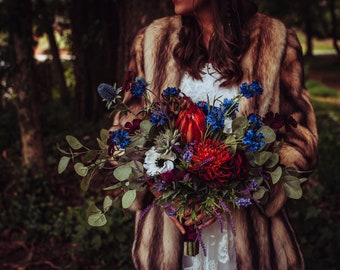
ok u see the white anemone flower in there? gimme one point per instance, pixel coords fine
(155, 163)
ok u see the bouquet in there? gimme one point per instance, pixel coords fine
(198, 159)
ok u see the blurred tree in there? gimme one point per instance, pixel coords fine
(334, 24)
(23, 81)
(44, 15)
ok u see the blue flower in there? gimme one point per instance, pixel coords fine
(253, 140)
(215, 119)
(255, 121)
(119, 138)
(203, 106)
(138, 88)
(249, 90)
(171, 92)
(158, 118)
(187, 156)
(243, 202)
(107, 92)
(227, 104)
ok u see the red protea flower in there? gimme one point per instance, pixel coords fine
(191, 122)
(212, 161)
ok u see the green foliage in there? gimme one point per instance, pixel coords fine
(316, 217)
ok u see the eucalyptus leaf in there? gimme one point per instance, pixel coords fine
(113, 187)
(122, 173)
(137, 168)
(63, 163)
(73, 142)
(276, 175)
(85, 182)
(268, 133)
(145, 126)
(80, 169)
(89, 156)
(239, 123)
(137, 140)
(273, 160)
(102, 145)
(292, 187)
(104, 135)
(258, 194)
(97, 220)
(262, 157)
(128, 198)
(107, 203)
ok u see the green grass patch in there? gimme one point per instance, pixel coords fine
(318, 89)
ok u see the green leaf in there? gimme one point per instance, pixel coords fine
(273, 160)
(268, 133)
(137, 140)
(61, 150)
(85, 182)
(62, 165)
(128, 198)
(107, 203)
(115, 186)
(145, 126)
(104, 135)
(292, 187)
(102, 145)
(122, 173)
(73, 142)
(258, 194)
(89, 156)
(97, 220)
(276, 175)
(262, 157)
(239, 123)
(80, 169)
(137, 168)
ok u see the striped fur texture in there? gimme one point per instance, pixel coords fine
(264, 239)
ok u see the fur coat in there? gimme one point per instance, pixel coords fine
(264, 238)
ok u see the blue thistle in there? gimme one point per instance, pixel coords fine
(107, 92)
(203, 105)
(243, 202)
(227, 104)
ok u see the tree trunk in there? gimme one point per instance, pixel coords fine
(58, 67)
(23, 82)
(308, 29)
(334, 25)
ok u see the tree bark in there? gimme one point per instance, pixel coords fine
(24, 84)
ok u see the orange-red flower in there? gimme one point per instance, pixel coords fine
(191, 122)
(212, 161)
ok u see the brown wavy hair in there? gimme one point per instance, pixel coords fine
(226, 46)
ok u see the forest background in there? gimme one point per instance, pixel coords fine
(53, 55)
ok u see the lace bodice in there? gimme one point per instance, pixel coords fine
(220, 249)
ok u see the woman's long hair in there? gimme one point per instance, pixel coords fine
(226, 47)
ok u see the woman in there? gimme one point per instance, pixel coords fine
(216, 45)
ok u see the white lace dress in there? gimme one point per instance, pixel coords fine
(220, 249)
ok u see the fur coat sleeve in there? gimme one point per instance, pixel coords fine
(265, 239)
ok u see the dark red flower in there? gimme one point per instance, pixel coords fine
(191, 122)
(129, 79)
(212, 161)
(132, 127)
(277, 121)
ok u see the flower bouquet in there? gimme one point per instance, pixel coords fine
(198, 159)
